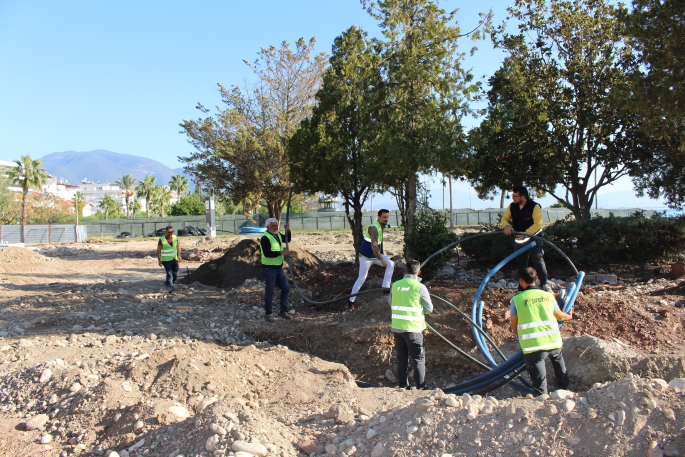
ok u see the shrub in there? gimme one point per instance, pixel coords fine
(430, 234)
(615, 239)
(491, 249)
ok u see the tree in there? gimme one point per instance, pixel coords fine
(241, 151)
(161, 197)
(135, 207)
(551, 116)
(27, 174)
(145, 188)
(333, 150)
(127, 183)
(179, 183)
(78, 205)
(427, 94)
(6, 196)
(109, 205)
(656, 92)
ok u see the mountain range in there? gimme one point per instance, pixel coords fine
(106, 166)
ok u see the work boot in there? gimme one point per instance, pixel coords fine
(285, 315)
(269, 317)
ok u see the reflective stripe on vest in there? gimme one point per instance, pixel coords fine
(275, 247)
(407, 307)
(169, 251)
(537, 327)
(365, 249)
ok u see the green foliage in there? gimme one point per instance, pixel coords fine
(241, 151)
(429, 235)
(491, 248)
(146, 188)
(616, 239)
(109, 206)
(551, 117)
(189, 205)
(6, 197)
(127, 183)
(27, 174)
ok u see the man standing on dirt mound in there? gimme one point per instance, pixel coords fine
(371, 253)
(524, 215)
(169, 255)
(534, 317)
(271, 247)
(409, 301)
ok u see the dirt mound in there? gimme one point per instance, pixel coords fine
(243, 261)
(17, 257)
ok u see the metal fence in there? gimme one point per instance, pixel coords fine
(231, 224)
(51, 233)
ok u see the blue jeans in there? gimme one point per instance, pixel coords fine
(171, 268)
(410, 344)
(535, 254)
(275, 277)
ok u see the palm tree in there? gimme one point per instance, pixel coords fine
(28, 173)
(145, 188)
(78, 203)
(179, 183)
(135, 207)
(127, 183)
(161, 197)
(109, 205)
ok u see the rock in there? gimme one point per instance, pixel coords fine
(671, 450)
(24, 343)
(331, 449)
(511, 409)
(654, 450)
(412, 429)
(370, 434)
(660, 384)
(37, 422)
(46, 375)
(551, 409)
(390, 376)
(452, 401)
(378, 450)
(606, 278)
(45, 439)
(529, 439)
(109, 340)
(677, 270)
(341, 412)
(568, 405)
(53, 399)
(178, 413)
(677, 384)
(126, 386)
(138, 425)
(112, 454)
(253, 448)
(562, 394)
(620, 417)
(218, 429)
(212, 443)
(204, 403)
(308, 446)
(668, 413)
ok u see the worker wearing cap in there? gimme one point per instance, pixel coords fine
(371, 253)
(273, 250)
(168, 256)
(534, 317)
(525, 215)
(409, 301)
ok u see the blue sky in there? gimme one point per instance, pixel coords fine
(121, 75)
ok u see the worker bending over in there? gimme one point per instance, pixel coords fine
(534, 319)
(371, 253)
(410, 301)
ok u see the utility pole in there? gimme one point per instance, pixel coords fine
(451, 219)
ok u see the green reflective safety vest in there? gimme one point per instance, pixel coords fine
(275, 247)
(169, 251)
(538, 329)
(407, 307)
(365, 249)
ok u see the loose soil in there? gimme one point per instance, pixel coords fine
(90, 338)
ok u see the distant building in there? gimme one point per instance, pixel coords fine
(328, 203)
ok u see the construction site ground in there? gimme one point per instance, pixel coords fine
(98, 359)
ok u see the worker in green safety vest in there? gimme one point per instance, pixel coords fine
(409, 301)
(273, 249)
(168, 256)
(534, 318)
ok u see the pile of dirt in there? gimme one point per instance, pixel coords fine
(15, 259)
(243, 261)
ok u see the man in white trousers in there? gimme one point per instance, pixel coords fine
(371, 253)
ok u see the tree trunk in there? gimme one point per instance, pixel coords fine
(451, 215)
(147, 206)
(501, 199)
(410, 210)
(23, 213)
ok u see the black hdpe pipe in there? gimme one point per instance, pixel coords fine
(498, 375)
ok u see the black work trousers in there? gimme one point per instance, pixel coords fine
(535, 254)
(535, 363)
(410, 344)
